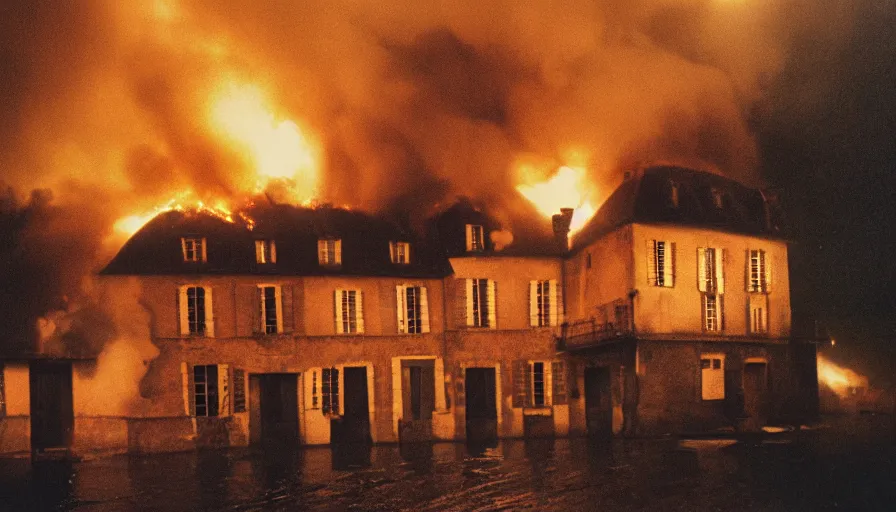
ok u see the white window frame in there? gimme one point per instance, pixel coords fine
(193, 249)
(263, 311)
(346, 323)
(265, 251)
(757, 271)
(712, 379)
(222, 388)
(403, 295)
(711, 269)
(475, 235)
(184, 313)
(758, 313)
(661, 263)
(544, 303)
(713, 312)
(400, 252)
(329, 251)
(477, 315)
(330, 401)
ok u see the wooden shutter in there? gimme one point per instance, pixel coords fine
(533, 303)
(259, 251)
(468, 295)
(322, 252)
(273, 251)
(337, 250)
(492, 294)
(278, 297)
(340, 326)
(183, 247)
(288, 308)
(748, 270)
(669, 266)
(225, 402)
(701, 269)
(521, 383)
(423, 301)
(204, 251)
(770, 265)
(311, 388)
(558, 383)
(392, 252)
(209, 312)
(401, 311)
(182, 309)
(258, 315)
(720, 270)
(651, 263)
(469, 237)
(189, 389)
(552, 293)
(359, 311)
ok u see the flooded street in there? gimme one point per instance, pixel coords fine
(849, 464)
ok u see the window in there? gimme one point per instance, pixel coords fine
(400, 252)
(538, 391)
(349, 312)
(265, 251)
(329, 388)
(193, 249)
(758, 320)
(673, 194)
(661, 263)
(413, 309)
(718, 198)
(539, 383)
(712, 312)
(195, 308)
(711, 281)
(712, 376)
(329, 251)
(205, 390)
(239, 390)
(270, 307)
(480, 301)
(757, 272)
(543, 303)
(475, 241)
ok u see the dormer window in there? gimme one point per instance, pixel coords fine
(329, 251)
(718, 198)
(475, 242)
(265, 251)
(193, 249)
(673, 194)
(400, 252)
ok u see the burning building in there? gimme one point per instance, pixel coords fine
(667, 312)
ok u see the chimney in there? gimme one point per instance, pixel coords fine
(561, 222)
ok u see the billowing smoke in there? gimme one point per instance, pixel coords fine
(402, 105)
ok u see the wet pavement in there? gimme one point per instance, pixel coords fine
(850, 464)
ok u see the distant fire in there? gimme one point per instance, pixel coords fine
(566, 189)
(838, 379)
(130, 224)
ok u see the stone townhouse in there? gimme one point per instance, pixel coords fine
(668, 312)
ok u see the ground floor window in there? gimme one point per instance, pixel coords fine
(329, 387)
(205, 390)
(712, 376)
(214, 389)
(239, 391)
(539, 383)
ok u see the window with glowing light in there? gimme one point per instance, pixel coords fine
(475, 240)
(400, 252)
(265, 251)
(193, 249)
(270, 304)
(329, 251)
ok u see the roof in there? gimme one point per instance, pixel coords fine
(648, 198)
(156, 248)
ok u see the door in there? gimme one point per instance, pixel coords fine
(417, 400)
(354, 425)
(52, 415)
(482, 411)
(598, 405)
(755, 395)
(278, 406)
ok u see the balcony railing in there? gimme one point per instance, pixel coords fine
(590, 332)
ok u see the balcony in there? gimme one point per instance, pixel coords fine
(590, 332)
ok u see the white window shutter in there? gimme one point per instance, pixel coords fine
(183, 314)
(359, 311)
(209, 313)
(338, 251)
(548, 383)
(278, 295)
(554, 302)
(701, 269)
(400, 296)
(225, 404)
(492, 291)
(423, 301)
(668, 267)
(748, 271)
(469, 299)
(273, 251)
(720, 271)
(259, 251)
(311, 388)
(651, 263)
(533, 303)
(469, 237)
(204, 251)
(392, 251)
(322, 252)
(769, 265)
(340, 326)
(183, 247)
(186, 373)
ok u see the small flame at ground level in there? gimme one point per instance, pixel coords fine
(566, 189)
(838, 379)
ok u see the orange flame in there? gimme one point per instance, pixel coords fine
(838, 379)
(130, 224)
(566, 189)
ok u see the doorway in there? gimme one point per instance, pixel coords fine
(417, 400)
(354, 425)
(482, 411)
(278, 408)
(52, 414)
(598, 404)
(755, 395)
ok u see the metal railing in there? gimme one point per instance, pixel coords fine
(591, 332)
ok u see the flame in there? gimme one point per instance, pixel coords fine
(566, 189)
(277, 148)
(182, 202)
(838, 379)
